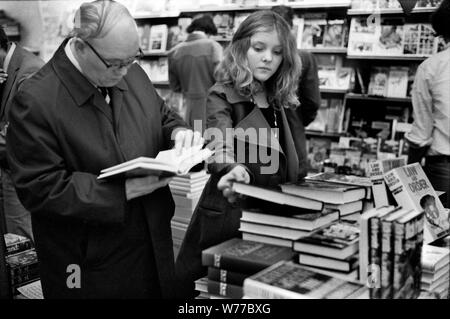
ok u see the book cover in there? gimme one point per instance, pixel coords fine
(412, 189)
(338, 240)
(335, 34)
(325, 191)
(397, 81)
(376, 171)
(158, 38)
(390, 41)
(244, 256)
(341, 179)
(286, 280)
(16, 243)
(276, 196)
(379, 81)
(362, 36)
(166, 163)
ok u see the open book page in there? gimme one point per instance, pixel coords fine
(32, 290)
(166, 163)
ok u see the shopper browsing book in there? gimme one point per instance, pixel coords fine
(254, 99)
(91, 107)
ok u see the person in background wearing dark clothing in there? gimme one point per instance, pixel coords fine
(191, 67)
(17, 65)
(430, 133)
(308, 88)
(91, 107)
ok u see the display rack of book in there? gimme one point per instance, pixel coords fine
(186, 191)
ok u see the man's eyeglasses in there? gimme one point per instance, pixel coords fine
(118, 64)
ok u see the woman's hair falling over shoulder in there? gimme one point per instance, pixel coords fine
(234, 68)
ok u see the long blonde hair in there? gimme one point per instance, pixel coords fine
(234, 68)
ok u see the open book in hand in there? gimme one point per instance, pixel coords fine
(165, 164)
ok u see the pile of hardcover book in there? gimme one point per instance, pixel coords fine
(232, 261)
(186, 191)
(282, 216)
(21, 260)
(436, 268)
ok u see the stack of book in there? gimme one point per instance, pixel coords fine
(390, 252)
(436, 269)
(230, 262)
(332, 250)
(186, 191)
(287, 280)
(16, 243)
(280, 216)
(23, 268)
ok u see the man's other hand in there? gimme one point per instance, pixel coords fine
(237, 174)
(139, 186)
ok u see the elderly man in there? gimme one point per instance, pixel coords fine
(89, 108)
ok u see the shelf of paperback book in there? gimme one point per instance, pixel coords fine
(355, 12)
(354, 96)
(387, 57)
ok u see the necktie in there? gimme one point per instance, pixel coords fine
(104, 91)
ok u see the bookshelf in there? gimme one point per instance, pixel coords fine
(354, 93)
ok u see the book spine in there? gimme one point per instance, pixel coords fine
(417, 259)
(386, 259)
(401, 250)
(18, 247)
(226, 276)
(233, 263)
(224, 289)
(375, 256)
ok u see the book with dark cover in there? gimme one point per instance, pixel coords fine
(244, 256)
(225, 289)
(412, 189)
(227, 276)
(16, 243)
(342, 265)
(338, 240)
(286, 280)
(325, 191)
(22, 263)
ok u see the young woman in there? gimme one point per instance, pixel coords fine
(253, 128)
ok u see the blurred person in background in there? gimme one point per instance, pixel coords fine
(191, 67)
